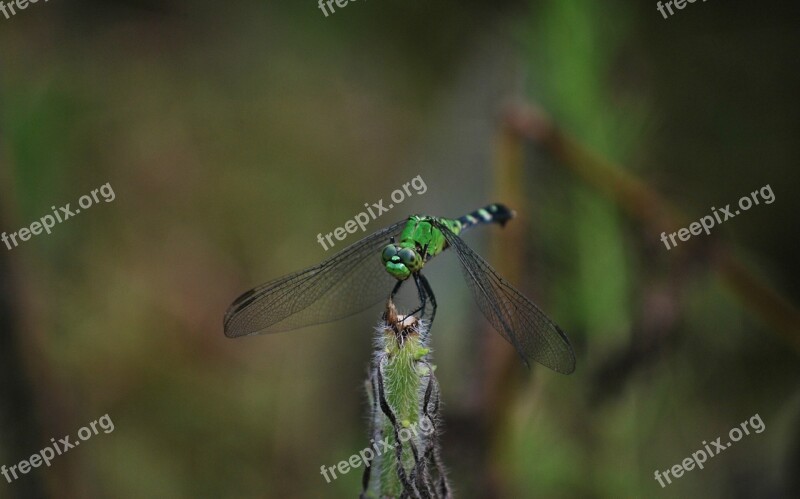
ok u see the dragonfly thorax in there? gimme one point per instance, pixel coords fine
(401, 262)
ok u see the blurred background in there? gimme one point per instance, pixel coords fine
(233, 133)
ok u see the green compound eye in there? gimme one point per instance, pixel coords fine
(407, 256)
(389, 252)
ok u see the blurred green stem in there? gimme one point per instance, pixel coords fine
(643, 203)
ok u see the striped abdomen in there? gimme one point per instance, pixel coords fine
(494, 213)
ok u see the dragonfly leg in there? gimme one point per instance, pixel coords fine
(429, 292)
(422, 297)
(395, 290)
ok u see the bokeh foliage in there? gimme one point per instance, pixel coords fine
(234, 133)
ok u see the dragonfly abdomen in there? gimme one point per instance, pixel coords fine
(493, 213)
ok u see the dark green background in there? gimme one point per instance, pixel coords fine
(233, 133)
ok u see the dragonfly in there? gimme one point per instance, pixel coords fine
(360, 275)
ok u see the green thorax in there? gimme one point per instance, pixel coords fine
(419, 242)
(419, 234)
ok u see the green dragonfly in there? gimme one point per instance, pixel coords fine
(353, 280)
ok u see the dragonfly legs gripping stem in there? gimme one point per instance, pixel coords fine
(395, 289)
(427, 287)
(425, 292)
(423, 299)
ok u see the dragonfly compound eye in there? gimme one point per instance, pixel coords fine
(408, 257)
(389, 252)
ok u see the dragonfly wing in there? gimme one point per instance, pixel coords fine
(348, 282)
(534, 335)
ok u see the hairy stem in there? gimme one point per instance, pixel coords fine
(404, 397)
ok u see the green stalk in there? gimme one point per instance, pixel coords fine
(404, 397)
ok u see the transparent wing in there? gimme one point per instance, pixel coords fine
(534, 335)
(348, 282)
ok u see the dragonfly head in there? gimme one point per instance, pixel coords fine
(401, 262)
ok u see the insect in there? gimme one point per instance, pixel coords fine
(360, 275)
